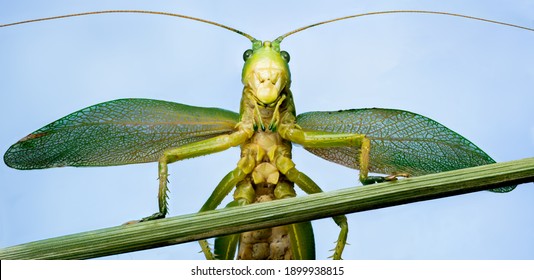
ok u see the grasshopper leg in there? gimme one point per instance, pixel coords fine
(318, 139)
(287, 167)
(244, 167)
(221, 191)
(225, 247)
(310, 187)
(204, 147)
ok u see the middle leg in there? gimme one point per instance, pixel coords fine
(287, 167)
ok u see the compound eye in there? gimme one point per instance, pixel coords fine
(285, 55)
(247, 54)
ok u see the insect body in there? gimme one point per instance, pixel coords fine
(266, 129)
(391, 142)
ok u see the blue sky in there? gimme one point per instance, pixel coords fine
(475, 78)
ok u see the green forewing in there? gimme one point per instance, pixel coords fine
(401, 141)
(118, 132)
(302, 241)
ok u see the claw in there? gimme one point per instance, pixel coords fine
(155, 216)
(380, 179)
(373, 180)
(395, 177)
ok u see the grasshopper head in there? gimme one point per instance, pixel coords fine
(266, 72)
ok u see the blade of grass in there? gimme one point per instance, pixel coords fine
(186, 228)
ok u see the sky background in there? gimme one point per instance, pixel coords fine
(473, 77)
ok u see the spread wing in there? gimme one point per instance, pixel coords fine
(401, 141)
(118, 132)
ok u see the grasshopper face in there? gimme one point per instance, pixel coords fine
(266, 72)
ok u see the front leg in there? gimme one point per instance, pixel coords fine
(320, 139)
(204, 147)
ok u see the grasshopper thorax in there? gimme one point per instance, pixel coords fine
(266, 72)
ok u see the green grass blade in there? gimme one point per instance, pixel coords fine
(186, 228)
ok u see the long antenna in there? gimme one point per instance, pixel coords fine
(279, 39)
(132, 12)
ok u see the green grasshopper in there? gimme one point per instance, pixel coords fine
(386, 141)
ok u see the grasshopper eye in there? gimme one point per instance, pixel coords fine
(285, 55)
(247, 54)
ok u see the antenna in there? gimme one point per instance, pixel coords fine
(133, 12)
(279, 39)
